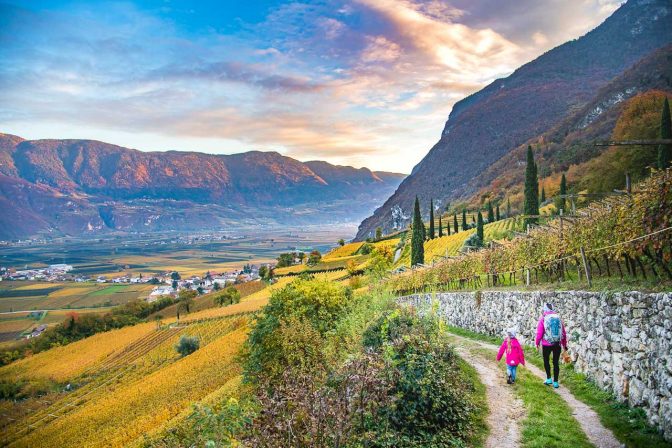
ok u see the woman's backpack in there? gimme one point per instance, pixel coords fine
(552, 328)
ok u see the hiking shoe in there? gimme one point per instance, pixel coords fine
(509, 380)
(548, 382)
(555, 385)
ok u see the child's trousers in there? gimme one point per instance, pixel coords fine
(511, 371)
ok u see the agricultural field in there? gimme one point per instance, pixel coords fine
(24, 305)
(449, 246)
(123, 384)
(187, 253)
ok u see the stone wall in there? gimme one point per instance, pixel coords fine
(623, 341)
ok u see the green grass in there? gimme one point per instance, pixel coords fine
(629, 425)
(480, 426)
(109, 290)
(549, 421)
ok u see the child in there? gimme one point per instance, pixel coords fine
(514, 354)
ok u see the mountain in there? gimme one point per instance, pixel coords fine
(86, 186)
(538, 96)
(570, 144)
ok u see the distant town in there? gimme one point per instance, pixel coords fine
(166, 283)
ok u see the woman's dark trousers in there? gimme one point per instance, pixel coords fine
(547, 350)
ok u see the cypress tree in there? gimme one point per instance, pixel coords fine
(455, 226)
(464, 219)
(432, 234)
(497, 218)
(531, 189)
(543, 195)
(440, 227)
(479, 227)
(491, 213)
(562, 202)
(418, 236)
(665, 151)
(508, 207)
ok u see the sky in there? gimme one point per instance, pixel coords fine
(353, 82)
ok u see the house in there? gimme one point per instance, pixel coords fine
(159, 291)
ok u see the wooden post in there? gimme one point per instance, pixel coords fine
(586, 266)
(628, 184)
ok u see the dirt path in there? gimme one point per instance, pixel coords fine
(506, 411)
(590, 423)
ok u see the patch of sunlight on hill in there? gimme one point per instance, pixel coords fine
(450, 245)
(131, 409)
(61, 364)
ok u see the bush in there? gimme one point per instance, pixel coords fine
(228, 296)
(366, 248)
(433, 405)
(187, 345)
(314, 305)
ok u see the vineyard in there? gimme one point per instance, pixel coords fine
(133, 384)
(625, 235)
(450, 245)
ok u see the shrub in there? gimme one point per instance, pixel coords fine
(187, 345)
(315, 305)
(228, 296)
(433, 405)
(366, 248)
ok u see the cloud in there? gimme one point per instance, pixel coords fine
(380, 49)
(362, 82)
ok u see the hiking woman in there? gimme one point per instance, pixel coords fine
(551, 334)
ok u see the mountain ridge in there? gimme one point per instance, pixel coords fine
(490, 123)
(92, 174)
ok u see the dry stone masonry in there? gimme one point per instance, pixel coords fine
(623, 341)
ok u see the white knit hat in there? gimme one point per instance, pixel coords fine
(511, 332)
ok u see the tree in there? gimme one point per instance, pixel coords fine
(464, 219)
(561, 202)
(216, 287)
(432, 233)
(665, 151)
(174, 284)
(186, 298)
(479, 226)
(187, 345)
(227, 297)
(508, 207)
(379, 233)
(531, 189)
(341, 242)
(286, 259)
(497, 218)
(418, 237)
(175, 275)
(314, 257)
(440, 227)
(455, 226)
(543, 195)
(491, 213)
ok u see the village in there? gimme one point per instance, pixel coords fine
(166, 284)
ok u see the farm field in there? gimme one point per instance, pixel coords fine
(187, 253)
(449, 246)
(20, 301)
(123, 383)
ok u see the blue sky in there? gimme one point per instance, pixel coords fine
(357, 82)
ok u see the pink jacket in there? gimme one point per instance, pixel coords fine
(514, 354)
(540, 332)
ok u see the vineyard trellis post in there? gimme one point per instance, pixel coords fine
(586, 266)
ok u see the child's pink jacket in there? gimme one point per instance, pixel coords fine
(515, 355)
